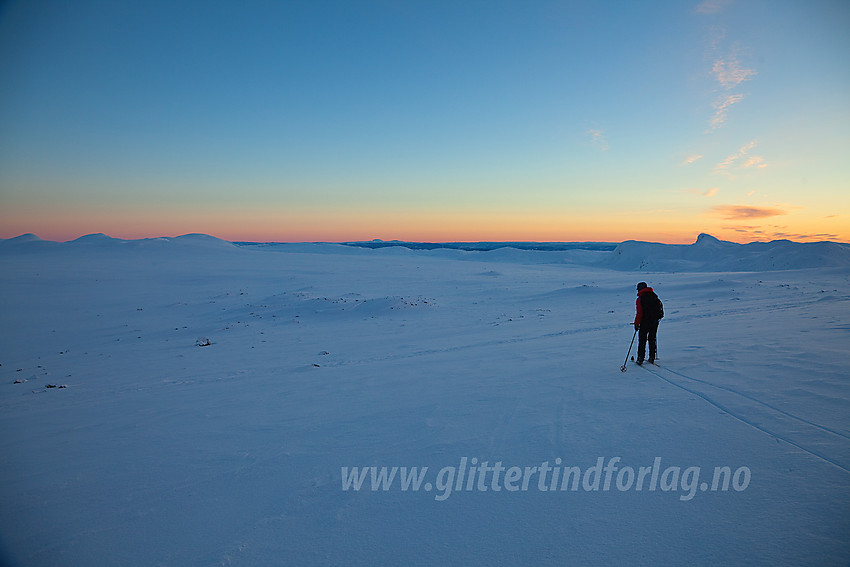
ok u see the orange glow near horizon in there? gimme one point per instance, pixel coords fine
(383, 134)
(313, 226)
(424, 226)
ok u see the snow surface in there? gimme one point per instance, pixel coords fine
(161, 452)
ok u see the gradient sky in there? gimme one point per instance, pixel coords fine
(442, 121)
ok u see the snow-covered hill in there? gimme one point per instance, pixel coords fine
(706, 254)
(710, 254)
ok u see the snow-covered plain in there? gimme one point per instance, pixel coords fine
(158, 451)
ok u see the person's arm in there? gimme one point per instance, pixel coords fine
(638, 313)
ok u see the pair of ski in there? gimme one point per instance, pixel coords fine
(623, 367)
(641, 364)
(652, 362)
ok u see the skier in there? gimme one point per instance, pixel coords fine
(649, 313)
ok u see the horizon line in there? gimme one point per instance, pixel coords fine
(766, 239)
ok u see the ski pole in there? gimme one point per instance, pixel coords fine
(623, 367)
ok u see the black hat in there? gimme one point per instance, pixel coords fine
(641, 285)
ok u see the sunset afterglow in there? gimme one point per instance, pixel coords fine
(456, 121)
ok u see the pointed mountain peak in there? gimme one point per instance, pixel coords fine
(707, 239)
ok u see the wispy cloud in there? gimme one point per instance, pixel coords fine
(731, 212)
(738, 161)
(726, 68)
(744, 228)
(729, 72)
(691, 159)
(717, 34)
(712, 6)
(721, 108)
(704, 192)
(730, 160)
(598, 139)
(762, 233)
(754, 161)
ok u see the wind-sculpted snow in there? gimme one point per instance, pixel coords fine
(186, 401)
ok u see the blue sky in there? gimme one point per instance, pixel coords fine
(426, 120)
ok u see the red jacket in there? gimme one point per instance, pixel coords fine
(638, 306)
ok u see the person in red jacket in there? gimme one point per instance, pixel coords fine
(649, 313)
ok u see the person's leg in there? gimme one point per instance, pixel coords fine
(653, 344)
(642, 333)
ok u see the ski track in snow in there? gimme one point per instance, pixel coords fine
(774, 408)
(773, 306)
(749, 421)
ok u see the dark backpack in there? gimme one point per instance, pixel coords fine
(652, 306)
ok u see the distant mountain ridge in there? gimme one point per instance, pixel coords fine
(707, 253)
(711, 254)
(103, 241)
(486, 246)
